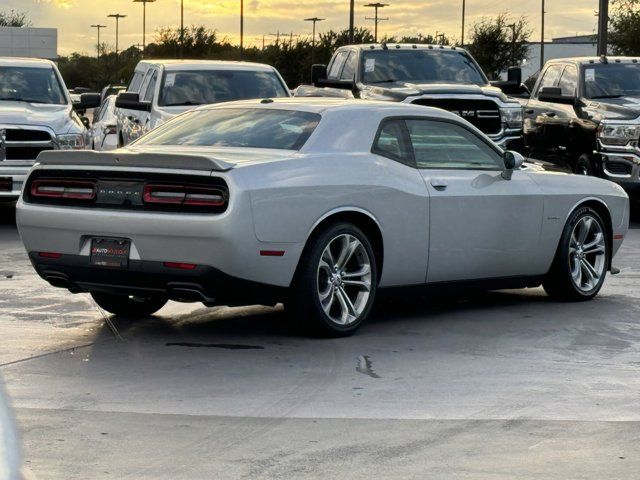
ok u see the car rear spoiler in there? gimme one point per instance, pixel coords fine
(174, 161)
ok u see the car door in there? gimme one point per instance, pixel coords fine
(536, 114)
(142, 118)
(481, 225)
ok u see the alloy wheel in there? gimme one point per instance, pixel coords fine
(587, 253)
(344, 279)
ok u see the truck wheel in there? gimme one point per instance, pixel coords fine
(584, 166)
(580, 265)
(336, 282)
(129, 306)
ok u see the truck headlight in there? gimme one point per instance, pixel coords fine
(74, 141)
(618, 134)
(511, 116)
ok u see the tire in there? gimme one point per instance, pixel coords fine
(334, 302)
(584, 166)
(129, 306)
(570, 279)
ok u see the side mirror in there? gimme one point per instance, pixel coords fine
(514, 74)
(554, 95)
(512, 161)
(131, 101)
(87, 101)
(318, 72)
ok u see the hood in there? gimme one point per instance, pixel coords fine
(60, 118)
(623, 108)
(400, 90)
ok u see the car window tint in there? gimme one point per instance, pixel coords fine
(336, 66)
(236, 127)
(569, 81)
(551, 76)
(349, 70)
(448, 145)
(391, 141)
(148, 94)
(134, 85)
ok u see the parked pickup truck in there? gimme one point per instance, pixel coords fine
(36, 114)
(584, 114)
(161, 89)
(430, 75)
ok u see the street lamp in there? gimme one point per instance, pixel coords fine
(117, 16)
(313, 37)
(98, 27)
(463, 11)
(144, 20)
(376, 6)
(241, 28)
(181, 28)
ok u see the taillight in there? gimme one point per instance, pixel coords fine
(184, 195)
(65, 189)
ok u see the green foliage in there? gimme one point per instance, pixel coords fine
(14, 18)
(499, 43)
(624, 26)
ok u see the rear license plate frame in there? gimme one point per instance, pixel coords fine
(110, 252)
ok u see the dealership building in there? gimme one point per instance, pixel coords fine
(29, 42)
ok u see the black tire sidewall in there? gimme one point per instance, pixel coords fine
(122, 305)
(307, 280)
(585, 160)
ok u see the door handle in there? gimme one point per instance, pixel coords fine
(439, 183)
(549, 114)
(529, 111)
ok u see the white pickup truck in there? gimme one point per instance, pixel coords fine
(36, 114)
(161, 89)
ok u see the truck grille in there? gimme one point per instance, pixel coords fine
(618, 168)
(23, 144)
(483, 114)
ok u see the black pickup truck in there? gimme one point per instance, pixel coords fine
(584, 114)
(431, 75)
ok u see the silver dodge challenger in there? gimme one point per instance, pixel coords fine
(317, 204)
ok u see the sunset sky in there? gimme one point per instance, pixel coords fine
(73, 18)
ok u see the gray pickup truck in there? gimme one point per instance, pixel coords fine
(36, 114)
(431, 75)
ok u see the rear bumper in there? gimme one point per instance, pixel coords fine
(204, 283)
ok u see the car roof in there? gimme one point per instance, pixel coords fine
(25, 62)
(175, 65)
(403, 46)
(595, 60)
(325, 104)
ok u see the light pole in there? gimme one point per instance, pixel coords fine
(376, 6)
(352, 7)
(98, 27)
(181, 28)
(463, 11)
(241, 28)
(313, 37)
(144, 21)
(603, 25)
(542, 39)
(117, 16)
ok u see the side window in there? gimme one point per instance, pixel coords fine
(391, 141)
(336, 66)
(569, 81)
(550, 77)
(151, 87)
(349, 70)
(448, 145)
(134, 85)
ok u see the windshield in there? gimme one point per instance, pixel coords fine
(33, 85)
(420, 66)
(215, 86)
(236, 127)
(612, 80)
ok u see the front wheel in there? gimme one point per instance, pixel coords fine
(336, 282)
(580, 266)
(129, 305)
(585, 166)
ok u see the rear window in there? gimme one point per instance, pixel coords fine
(236, 127)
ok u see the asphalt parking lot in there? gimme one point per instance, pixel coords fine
(502, 385)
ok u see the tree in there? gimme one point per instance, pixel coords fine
(624, 25)
(14, 18)
(499, 43)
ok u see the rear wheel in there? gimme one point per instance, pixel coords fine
(580, 266)
(336, 282)
(129, 305)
